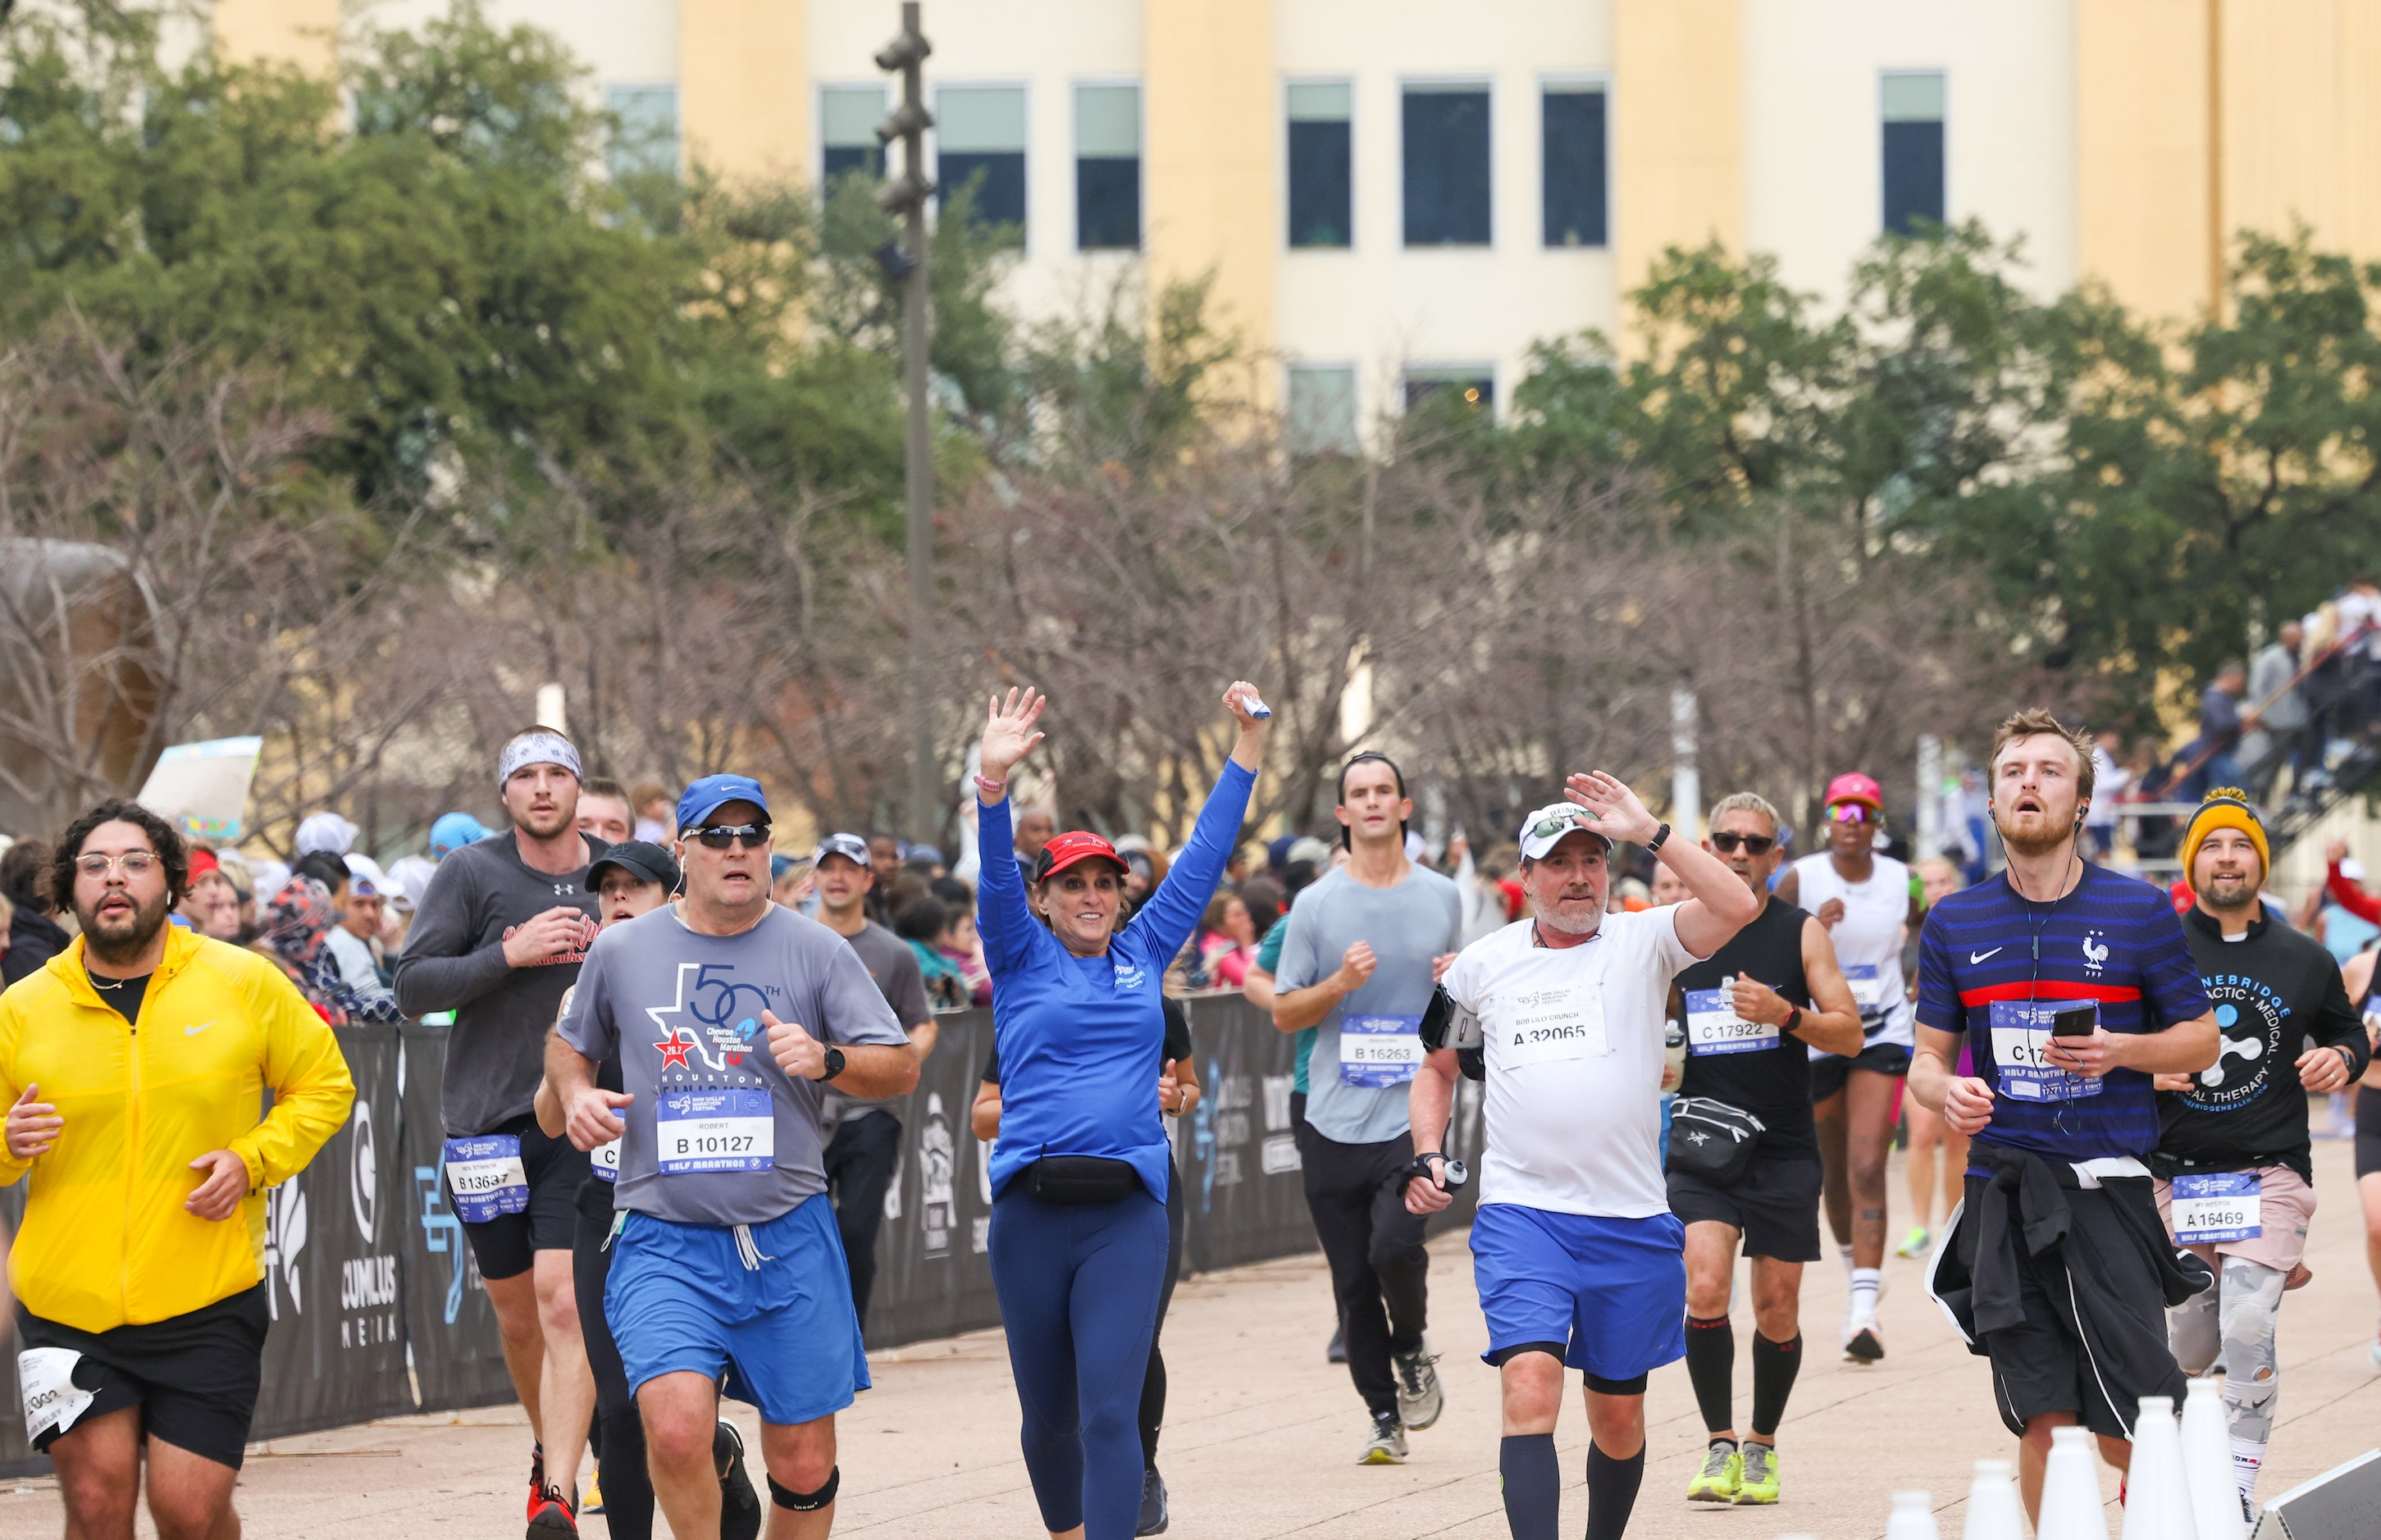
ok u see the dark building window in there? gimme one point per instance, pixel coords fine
(1475, 387)
(1913, 151)
(848, 119)
(1107, 168)
(1571, 134)
(1446, 165)
(979, 146)
(1322, 164)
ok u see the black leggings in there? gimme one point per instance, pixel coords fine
(1153, 1385)
(620, 1431)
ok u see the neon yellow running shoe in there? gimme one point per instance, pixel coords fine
(1914, 1243)
(1759, 1484)
(593, 1502)
(1722, 1473)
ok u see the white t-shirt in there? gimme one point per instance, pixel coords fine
(1574, 1040)
(1867, 939)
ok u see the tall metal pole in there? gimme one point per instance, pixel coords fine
(907, 196)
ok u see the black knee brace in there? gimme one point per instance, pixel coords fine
(806, 1502)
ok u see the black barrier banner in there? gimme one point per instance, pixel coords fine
(335, 1353)
(934, 1269)
(457, 1355)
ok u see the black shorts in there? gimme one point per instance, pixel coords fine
(2368, 1131)
(507, 1246)
(1775, 1205)
(2044, 1363)
(1831, 1072)
(193, 1376)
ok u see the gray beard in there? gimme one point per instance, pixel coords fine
(1587, 925)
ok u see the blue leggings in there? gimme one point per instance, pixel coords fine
(1079, 1286)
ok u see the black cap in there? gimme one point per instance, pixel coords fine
(641, 859)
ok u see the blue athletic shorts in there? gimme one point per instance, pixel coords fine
(1615, 1290)
(681, 1298)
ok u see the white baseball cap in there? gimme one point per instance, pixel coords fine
(1545, 829)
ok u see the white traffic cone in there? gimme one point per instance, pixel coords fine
(2207, 1465)
(1912, 1518)
(2070, 1489)
(1994, 1510)
(2158, 1505)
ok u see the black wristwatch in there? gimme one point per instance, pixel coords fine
(834, 1064)
(1653, 846)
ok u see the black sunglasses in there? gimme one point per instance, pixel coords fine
(718, 836)
(1754, 844)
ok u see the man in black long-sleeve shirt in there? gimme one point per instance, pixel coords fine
(2233, 1154)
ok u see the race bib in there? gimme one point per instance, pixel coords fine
(1868, 989)
(1546, 1026)
(1713, 1027)
(2216, 1207)
(2021, 1035)
(606, 1158)
(52, 1398)
(1376, 1051)
(716, 1130)
(486, 1176)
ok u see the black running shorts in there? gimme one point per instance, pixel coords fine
(1831, 1072)
(507, 1246)
(1775, 1205)
(2368, 1131)
(193, 1376)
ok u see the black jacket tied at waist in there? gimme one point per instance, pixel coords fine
(2029, 1208)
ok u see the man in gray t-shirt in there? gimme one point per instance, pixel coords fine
(1357, 963)
(729, 1015)
(864, 1150)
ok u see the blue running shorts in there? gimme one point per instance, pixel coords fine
(1613, 1290)
(680, 1298)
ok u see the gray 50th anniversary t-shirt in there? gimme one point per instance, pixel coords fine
(718, 1134)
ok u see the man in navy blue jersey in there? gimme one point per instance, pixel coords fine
(2073, 986)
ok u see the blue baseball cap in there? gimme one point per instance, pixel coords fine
(453, 831)
(707, 796)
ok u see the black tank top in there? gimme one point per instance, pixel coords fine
(1773, 1083)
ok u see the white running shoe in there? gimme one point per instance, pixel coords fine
(1386, 1446)
(1420, 1395)
(1863, 1341)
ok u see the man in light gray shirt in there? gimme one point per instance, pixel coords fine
(729, 1016)
(1359, 963)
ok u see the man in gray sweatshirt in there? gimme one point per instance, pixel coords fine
(497, 939)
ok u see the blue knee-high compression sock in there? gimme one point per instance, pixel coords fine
(1611, 1492)
(1532, 1486)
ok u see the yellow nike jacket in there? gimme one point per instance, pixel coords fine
(106, 1241)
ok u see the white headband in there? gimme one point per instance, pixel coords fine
(537, 748)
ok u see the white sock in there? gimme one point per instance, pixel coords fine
(1866, 1282)
(2247, 1457)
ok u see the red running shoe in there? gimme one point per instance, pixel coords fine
(553, 1515)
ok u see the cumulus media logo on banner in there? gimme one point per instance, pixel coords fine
(367, 1282)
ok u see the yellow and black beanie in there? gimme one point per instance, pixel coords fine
(2225, 807)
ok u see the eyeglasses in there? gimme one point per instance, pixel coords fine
(1850, 813)
(135, 863)
(1726, 841)
(718, 836)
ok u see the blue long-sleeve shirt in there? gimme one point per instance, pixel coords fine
(1081, 1038)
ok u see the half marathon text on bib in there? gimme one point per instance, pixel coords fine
(2021, 1037)
(485, 1173)
(1550, 1024)
(716, 1130)
(1379, 1050)
(1713, 1027)
(2217, 1205)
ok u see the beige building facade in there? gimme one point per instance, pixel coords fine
(1394, 197)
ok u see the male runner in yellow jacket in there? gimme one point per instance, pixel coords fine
(135, 1064)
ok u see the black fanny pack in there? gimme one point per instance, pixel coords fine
(1082, 1179)
(1712, 1140)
